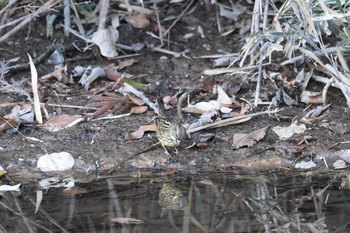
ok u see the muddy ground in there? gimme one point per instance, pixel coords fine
(98, 145)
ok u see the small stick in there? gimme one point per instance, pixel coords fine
(132, 156)
(230, 121)
(178, 18)
(112, 117)
(159, 25)
(42, 10)
(165, 51)
(142, 96)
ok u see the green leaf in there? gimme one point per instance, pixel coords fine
(135, 83)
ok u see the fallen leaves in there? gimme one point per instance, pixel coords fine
(138, 134)
(220, 104)
(61, 122)
(286, 132)
(249, 140)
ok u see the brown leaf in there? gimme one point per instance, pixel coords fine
(70, 192)
(149, 128)
(140, 132)
(142, 10)
(60, 74)
(208, 87)
(310, 97)
(136, 100)
(240, 140)
(138, 109)
(171, 100)
(135, 135)
(138, 21)
(8, 123)
(112, 73)
(60, 122)
(126, 63)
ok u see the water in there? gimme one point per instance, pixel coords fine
(188, 203)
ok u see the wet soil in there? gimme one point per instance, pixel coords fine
(98, 145)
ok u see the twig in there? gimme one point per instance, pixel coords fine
(142, 96)
(67, 16)
(104, 6)
(112, 117)
(7, 12)
(25, 66)
(70, 106)
(42, 10)
(178, 18)
(179, 104)
(317, 53)
(37, 60)
(230, 121)
(132, 156)
(158, 23)
(258, 84)
(175, 54)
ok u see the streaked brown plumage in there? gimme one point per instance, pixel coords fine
(170, 132)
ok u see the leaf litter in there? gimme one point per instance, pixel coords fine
(124, 95)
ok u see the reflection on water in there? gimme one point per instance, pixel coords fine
(184, 203)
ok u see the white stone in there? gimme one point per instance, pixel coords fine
(61, 161)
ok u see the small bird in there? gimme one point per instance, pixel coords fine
(171, 197)
(170, 132)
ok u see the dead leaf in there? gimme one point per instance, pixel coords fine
(282, 97)
(170, 100)
(61, 122)
(39, 198)
(135, 135)
(138, 134)
(315, 114)
(60, 74)
(105, 39)
(112, 73)
(244, 109)
(311, 97)
(305, 164)
(70, 192)
(138, 21)
(90, 75)
(240, 140)
(126, 63)
(207, 87)
(136, 100)
(201, 107)
(342, 154)
(286, 132)
(142, 10)
(138, 109)
(223, 98)
(8, 124)
(339, 164)
(149, 128)
(226, 110)
(2, 171)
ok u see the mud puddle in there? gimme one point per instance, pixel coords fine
(183, 203)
